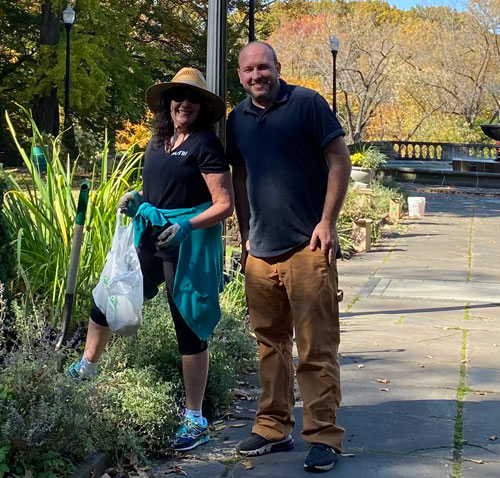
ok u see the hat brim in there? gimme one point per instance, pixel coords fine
(217, 106)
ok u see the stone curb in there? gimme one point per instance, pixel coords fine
(94, 466)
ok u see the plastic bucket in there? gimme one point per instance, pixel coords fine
(416, 206)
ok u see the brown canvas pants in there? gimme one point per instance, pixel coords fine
(296, 290)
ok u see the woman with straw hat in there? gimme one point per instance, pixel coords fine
(177, 215)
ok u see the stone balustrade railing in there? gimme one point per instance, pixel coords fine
(433, 151)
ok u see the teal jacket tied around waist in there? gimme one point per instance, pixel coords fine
(199, 275)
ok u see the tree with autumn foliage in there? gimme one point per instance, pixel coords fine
(428, 74)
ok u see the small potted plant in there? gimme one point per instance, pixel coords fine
(364, 165)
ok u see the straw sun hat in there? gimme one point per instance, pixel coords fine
(190, 78)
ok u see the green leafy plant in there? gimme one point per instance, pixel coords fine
(369, 158)
(41, 208)
(374, 206)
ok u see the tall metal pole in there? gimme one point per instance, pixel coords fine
(216, 66)
(217, 55)
(66, 82)
(334, 54)
(334, 47)
(251, 20)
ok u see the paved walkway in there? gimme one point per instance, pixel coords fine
(420, 359)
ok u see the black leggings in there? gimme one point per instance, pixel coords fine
(156, 271)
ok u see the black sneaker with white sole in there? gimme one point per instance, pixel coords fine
(257, 445)
(320, 458)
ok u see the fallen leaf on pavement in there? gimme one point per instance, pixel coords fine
(248, 465)
(383, 380)
(238, 393)
(347, 455)
(174, 469)
(237, 425)
(480, 393)
(218, 428)
(421, 365)
(145, 474)
(384, 389)
(493, 438)
(218, 422)
(428, 356)
(361, 365)
(252, 410)
(465, 360)
(479, 462)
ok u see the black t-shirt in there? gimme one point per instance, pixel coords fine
(173, 180)
(283, 151)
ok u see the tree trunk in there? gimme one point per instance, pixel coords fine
(46, 105)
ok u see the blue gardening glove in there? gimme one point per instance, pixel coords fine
(172, 237)
(129, 203)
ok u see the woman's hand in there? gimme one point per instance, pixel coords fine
(172, 237)
(129, 203)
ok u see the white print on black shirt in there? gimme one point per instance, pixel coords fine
(179, 153)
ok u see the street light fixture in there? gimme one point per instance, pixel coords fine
(68, 19)
(334, 46)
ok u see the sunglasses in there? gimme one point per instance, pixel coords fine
(181, 94)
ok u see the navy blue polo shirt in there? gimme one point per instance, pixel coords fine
(283, 151)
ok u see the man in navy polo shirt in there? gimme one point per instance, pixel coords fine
(291, 169)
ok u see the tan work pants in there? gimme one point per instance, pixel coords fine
(296, 290)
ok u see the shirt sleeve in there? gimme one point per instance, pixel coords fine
(233, 154)
(324, 122)
(211, 158)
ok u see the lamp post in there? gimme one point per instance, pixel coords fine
(68, 19)
(334, 46)
(251, 20)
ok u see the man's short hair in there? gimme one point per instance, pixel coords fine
(269, 47)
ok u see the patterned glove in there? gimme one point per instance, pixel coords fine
(129, 203)
(172, 237)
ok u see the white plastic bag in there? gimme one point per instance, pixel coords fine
(119, 292)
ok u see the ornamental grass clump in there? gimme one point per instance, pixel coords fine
(40, 212)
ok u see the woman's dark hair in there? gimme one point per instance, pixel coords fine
(164, 126)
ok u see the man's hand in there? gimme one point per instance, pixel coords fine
(245, 247)
(129, 203)
(172, 237)
(325, 236)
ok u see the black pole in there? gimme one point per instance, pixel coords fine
(334, 55)
(66, 83)
(251, 20)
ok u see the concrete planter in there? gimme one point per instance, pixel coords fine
(362, 176)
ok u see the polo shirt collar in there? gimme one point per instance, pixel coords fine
(282, 97)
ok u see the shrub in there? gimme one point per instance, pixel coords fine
(370, 158)
(374, 206)
(45, 414)
(50, 421)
